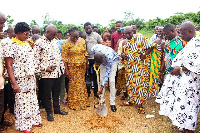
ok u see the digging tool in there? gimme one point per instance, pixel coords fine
(101, 107)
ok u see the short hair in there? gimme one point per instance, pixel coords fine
(86, 24)
(94, 27)
(98, 57)
(66, 33)
(21, 27)
(59, 31)
(118, 22)
(169, 27)
(72, 29)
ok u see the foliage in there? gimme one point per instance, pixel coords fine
(145, 28)
(9, 20)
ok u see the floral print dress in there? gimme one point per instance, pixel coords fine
(26, 108)
(74, 54)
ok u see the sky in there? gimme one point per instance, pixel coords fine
(95, 11)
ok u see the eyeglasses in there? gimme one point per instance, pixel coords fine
(26, 34)
(74, 37)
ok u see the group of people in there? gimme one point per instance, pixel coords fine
(166, 66)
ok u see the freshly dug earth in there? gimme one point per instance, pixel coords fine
(125, 120)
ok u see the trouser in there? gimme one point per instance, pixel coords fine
(1, 103)
(9, 99)
(51, 85)
(111, 81)
(40, 93)
(93, 76)
(62, 92)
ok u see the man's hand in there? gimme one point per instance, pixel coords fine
(49, 69)
(124, 56)
(142, 56)
(176, 71)
(100, 91)
(16, 88)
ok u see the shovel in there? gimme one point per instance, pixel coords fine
(101, 107)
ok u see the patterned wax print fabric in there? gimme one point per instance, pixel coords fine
(137, 70)
(179, 96)
(26, 109)
(121, 80)
(110, 57)
(154, 69)
(75, 56)
(173, 47)
(27, 113)
(47, 54)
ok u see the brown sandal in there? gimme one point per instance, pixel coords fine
(2, 128)
(127, 104)
(141, 110)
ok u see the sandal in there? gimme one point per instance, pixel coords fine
(39, 125)
(141, 110)
(28, 131)
(123, 98)
(7, 124)
(175, 128)
(127, 104)
(2, 128)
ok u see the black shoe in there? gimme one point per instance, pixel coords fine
(113, 108)
(96, 95)
(50, 117)
(60, 112)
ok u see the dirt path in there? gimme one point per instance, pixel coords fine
(125, 120)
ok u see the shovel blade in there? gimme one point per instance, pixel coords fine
(102, 110)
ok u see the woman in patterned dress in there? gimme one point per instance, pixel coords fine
(75, 57)
(20, 64)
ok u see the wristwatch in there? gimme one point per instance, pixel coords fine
(181, 70)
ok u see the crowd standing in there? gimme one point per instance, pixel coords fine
(166, 66)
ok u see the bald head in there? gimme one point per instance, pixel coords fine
(51, 27)
(98, 57)
(35, 37)
(11, 32)
(187, 30)
(51, 32)
(35, 30)
(2, 21)
(128, 31)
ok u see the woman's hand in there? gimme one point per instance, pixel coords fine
(67, 74)
(16, 88)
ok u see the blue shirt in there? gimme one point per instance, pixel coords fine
(110, 57)
(60, 42)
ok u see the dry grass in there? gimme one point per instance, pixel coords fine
(125, 120)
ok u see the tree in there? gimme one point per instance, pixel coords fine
(9, 21)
